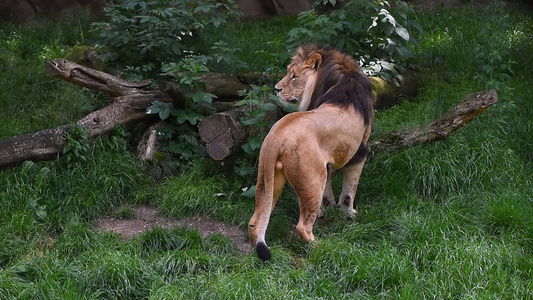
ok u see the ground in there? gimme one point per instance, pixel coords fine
(147, 217)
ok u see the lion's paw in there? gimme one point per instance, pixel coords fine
(350, 212)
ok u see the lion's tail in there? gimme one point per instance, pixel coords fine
(264, 197)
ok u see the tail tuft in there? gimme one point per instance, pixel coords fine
(262, 251)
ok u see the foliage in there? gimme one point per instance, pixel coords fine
(142, 36)
(77, 145)
(494, 49)
(166, 39)
(377, 35)
(179, 134)
(258, 102)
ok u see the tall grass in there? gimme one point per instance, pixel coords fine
(448, 220)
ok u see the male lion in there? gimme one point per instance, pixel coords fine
(329, 133)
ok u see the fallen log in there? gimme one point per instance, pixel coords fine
(224, 135)
(439, 129)
(387, 94)
(149, 143)
(128, 105)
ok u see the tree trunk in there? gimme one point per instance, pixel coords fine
(224, 134)
(42, 145)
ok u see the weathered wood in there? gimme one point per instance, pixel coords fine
(224, 135)
(128, 106)
(42, 145)
(223, 85)
(457, 117)
(149, 143)
(94, 79)
(388, 94)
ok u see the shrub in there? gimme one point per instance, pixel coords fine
(141, 36)
(377, 35)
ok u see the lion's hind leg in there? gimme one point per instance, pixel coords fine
(309, 189)
(350, 180)
(328, 197)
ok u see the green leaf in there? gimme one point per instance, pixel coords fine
(241, 103)
(184, 116)
(202, 97)
(404, 52)
(294, 32)
(255, 143)
(249, 192)
(403, 33)
(269, 106)
(246, 170)
(389, 29)
(131, 4)
(154, 109)
(246, 147)
(175, 48)
(164, 113)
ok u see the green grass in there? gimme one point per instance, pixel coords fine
(447, 220)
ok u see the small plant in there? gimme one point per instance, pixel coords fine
(375, 34)
(77, 147)
(259, 102)
(179, 134)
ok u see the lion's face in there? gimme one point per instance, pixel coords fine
(299, 83)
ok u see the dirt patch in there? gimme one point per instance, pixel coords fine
(147, 217)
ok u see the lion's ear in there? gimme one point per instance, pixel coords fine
(314, 61)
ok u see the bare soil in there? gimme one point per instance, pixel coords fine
(147, 217)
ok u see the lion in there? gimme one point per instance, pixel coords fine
(329, 133)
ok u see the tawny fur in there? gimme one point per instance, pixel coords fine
(304, 147)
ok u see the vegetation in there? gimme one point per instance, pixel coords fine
(378, 36)
(453, 219)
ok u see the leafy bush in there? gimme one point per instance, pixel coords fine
(141, 36)
(377, 35)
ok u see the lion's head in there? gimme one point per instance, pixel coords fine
(314, 71)
(299, 83)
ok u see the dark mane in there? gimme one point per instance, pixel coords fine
(340, 81)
